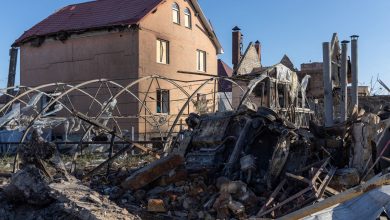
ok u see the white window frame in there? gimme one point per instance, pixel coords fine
(187, 18)
(162, 51)
(175, 13)
(163, 106)
(201, 61)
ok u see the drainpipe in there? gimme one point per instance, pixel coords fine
(328, 90)
(344, 81)
(355, 70)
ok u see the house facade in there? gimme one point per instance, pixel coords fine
(123, 41)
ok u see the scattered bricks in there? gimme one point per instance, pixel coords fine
(156, 205)
(345, 178)
(237, 208)
(173, 177)
(239, 191)
(152, 172)
(221, 205)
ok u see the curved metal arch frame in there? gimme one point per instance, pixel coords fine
(124, 89)
(127, 89)
(38, 89)
(250, 89)
(12, 96)
(30, 89)
(169, 137)
(72, 88)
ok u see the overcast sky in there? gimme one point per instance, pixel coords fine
(296, 28)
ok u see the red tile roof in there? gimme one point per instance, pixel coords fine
(224, 71)
(91, 15)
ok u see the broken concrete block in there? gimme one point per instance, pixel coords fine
(29, 186)
(152, 172)
(156, 205)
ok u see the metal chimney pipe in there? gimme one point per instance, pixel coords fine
(344, 81)
(328, 90)
(355, 70)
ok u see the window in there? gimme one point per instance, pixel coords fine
(175, 13)
(187, 18)
(163, 101)
(162, 49)
(201, 60)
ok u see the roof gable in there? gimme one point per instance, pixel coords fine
(249, 61)
(286, 61)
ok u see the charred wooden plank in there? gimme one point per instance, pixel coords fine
(152, 172)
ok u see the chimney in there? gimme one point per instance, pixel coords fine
(236, 52)
(258, 49)
(355, 70)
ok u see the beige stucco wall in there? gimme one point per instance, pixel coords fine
(183, 44)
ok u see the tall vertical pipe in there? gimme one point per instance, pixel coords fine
(13, 53)
(344, 81)
(328, 90)
(355, 70)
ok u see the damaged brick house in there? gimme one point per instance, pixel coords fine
(123, 40)
(276, 87)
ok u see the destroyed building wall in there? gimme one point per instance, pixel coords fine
(374, 104)
(249, 61)
(316, 84)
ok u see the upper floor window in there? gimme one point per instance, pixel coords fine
(187, 18)
(162, 51)
(201, 60)
(176, 13)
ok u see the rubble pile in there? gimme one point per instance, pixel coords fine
(238, 165)
(42, 189)
(227, 165)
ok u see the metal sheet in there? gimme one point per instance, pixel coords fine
(368, 206)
